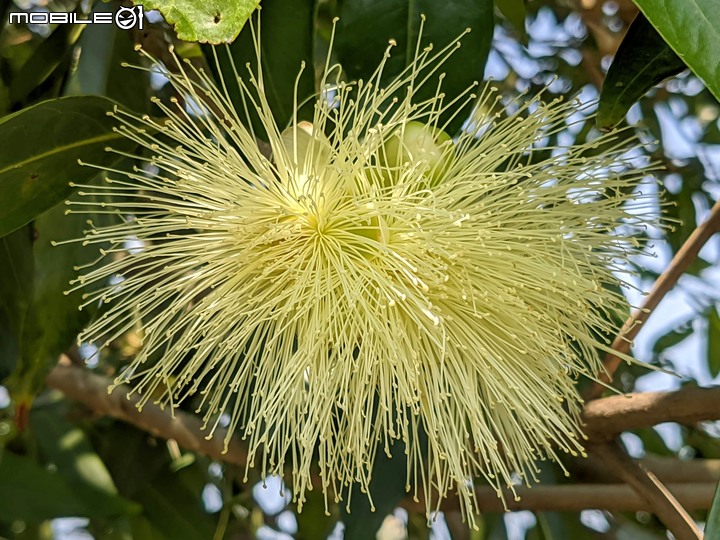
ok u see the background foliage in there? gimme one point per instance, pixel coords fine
(59, 460)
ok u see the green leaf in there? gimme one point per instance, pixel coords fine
(54, 319)
(16, 293)
(32, 493)
(653, 443)
(692, 29)
(54, 53)
(713, 350)
(103, 49)
(712, 525)
(206, 21)
(35, 177)
(312, 522)
(286, 42)
(387, 488)
(141, 469)
(366, 26)
(673, 337)
(66, 446)
(681, 210)
(642, 61)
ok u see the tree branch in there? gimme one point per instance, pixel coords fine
(680, 262)
(606, 418)
(92, 390)
(577, 497)
(660, 499)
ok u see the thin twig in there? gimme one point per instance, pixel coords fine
(659, 498)
(683, 258)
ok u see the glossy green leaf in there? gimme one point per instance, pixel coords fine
(366, 26)
(32, 493)
(16, 294)
(642, 61)
(692, 29)
(712, 525)
(713, 349)
(35, 177)
(286, 41)
(99, 71)
(212, 21)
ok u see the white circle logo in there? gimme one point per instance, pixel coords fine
(126, 18)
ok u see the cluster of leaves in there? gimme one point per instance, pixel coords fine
(57, 84)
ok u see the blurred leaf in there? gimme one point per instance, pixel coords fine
(713, 350)
(4, 5)
(681, 213)
(642, 61)
(550, 525)
(286, 42)
(174, 510)
(133, 457)
(697, 266)
(54, 319)
(312, 521)
(673, 337)
(387, 488)
(705, 445)
(16, 293)
(103, 48)
(68, 449)
(712, 524)
(66, 446)
(35, 177)
(32, 493)
(52, 53)
(207, 21)
(141, 469)
(142, 529)
(366, 26)
(495, 527)
(653, 443)
(514, 11)
(692, 29)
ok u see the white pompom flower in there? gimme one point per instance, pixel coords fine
(372, 280)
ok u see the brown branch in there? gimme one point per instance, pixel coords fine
(694, 481)
(660, 499)
(606, 418)
(680, 262)
(577, 497)
(670, 470)
(92, 391)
